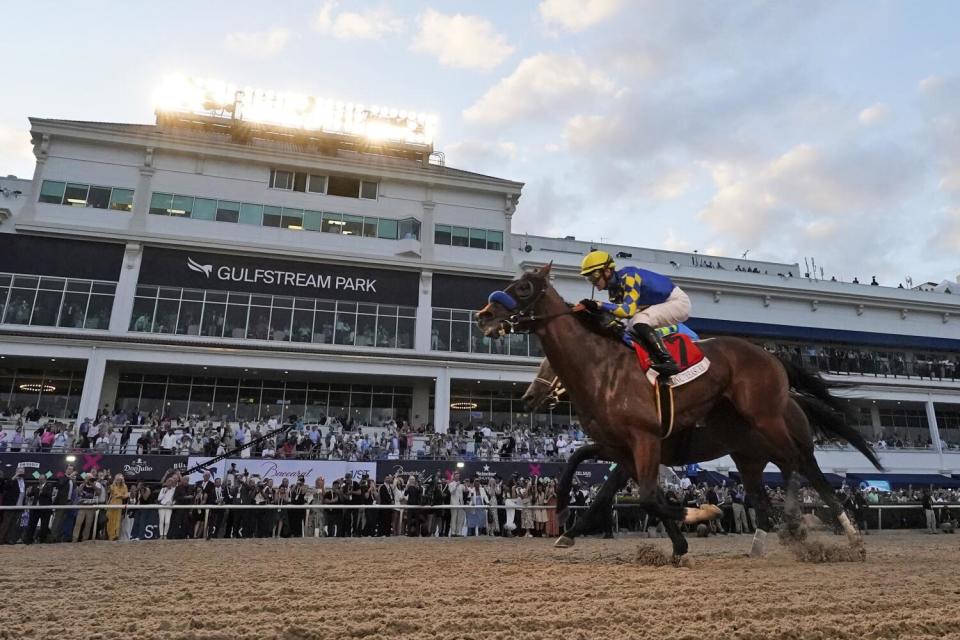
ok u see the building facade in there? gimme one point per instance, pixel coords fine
(191, 268)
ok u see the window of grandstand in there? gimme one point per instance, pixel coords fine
(867, 361)
(53, 393)
(455, 330)
(55, 302)
(468, 237)
(83, 195)
(306, 182)
(261, 398)
(295, 219)
(501, 408)
(219, 314)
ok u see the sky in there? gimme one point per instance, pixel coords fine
(789, 129)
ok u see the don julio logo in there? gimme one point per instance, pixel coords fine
(136, 467)
(193, 265)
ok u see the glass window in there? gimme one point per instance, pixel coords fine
(369, 227)
(461, 236)
(235, 323)
(280, 179)
(495, 240)
(352, 225)
(280, 323)
(366, 330)
(259, 324)
(368, 190)
(189, 321)
(73, 310)
(342, 186)
(228, 211)
(52, 192)
(98, 197)
(387, 331)
(292, 219)
(478, 239)
(182, 206)
(160, 203)
(409, 229)
(46, 308)
(272, 216)
(98, 312)
(332, 222)
(213, 313)
(299, 182)
(20, 304)
(251, 213)
(76, 195)
(440, 335)
(323, 327)
(302, 330)
(121, 200)
(312, 220)
(204, 209)
(441, 234)
(344, 331)
(405, 332)
(318, 184)
(142, 317)
(387, 228)
(165, 320)
(460, 336)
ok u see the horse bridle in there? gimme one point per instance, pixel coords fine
(522, 318)
(556, 390)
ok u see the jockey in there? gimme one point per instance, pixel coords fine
(646, 299)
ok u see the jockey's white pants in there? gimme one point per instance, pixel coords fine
(674, 310)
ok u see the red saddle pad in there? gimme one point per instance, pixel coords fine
(684, 351)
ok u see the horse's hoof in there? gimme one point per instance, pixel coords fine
(683, 562)
(563, 542)
(759, 542)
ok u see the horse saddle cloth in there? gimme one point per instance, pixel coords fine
(686, 354)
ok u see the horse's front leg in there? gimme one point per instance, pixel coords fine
(599, 513)
(646, 457)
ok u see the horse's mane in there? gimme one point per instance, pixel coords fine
(602, 323)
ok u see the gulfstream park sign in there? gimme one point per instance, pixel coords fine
(284, 278)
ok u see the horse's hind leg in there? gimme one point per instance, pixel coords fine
(812, 471)
(599, 513)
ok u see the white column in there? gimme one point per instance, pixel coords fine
(126, 288)
(934, 429)
(426, 225)
(875, 420)
(421, 341)
(441, 401)
(92, 385)
(510, 205)
(108, 389)
(420, 413)
(143, 193)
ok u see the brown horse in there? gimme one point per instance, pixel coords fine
(723, 433)
(616, 404)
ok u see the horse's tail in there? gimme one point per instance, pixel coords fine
(825, 411)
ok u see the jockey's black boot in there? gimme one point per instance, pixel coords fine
(662, 361)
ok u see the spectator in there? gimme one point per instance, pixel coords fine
(88, 494)
(119, 494)
(166, 498)
(14, 494)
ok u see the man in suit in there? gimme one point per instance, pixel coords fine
(14, 494)
(217, 496)
(298, 496)
(248, 517)
(66, 495)
(40, 494)
(386, 497)
(232, 517)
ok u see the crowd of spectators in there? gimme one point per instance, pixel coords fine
(494, 506)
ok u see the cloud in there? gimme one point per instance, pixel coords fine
(577, 15)
(370, 24)
(874, 114)
(461, 42)
(541, 85)
(811, 196)
(16, 152)
(261, 44)
(471, 154)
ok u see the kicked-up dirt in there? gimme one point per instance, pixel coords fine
(459, 589)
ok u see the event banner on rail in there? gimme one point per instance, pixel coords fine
(588, 473)
(278, 469)
(135, 468)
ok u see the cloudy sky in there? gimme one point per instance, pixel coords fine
(790, 129)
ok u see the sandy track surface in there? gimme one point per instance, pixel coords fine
(909, 587)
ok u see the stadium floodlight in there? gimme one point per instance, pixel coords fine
(183, 94)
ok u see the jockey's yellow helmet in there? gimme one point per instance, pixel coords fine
(594, 261)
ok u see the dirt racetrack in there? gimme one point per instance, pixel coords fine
(909, 587)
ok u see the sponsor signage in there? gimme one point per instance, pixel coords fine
(66, 258)
(192, 269)
(588, 473)
(133, 467)
(278, 469)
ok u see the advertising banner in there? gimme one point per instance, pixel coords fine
(588, 474)
(134, 468)
(265, 468)
(200, 270)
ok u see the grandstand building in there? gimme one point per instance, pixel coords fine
(208, 265)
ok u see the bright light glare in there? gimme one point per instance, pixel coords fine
(179, 93)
